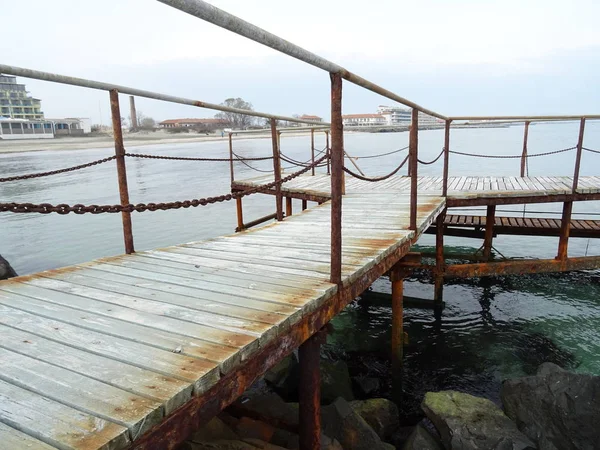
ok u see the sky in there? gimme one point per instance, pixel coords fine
(460, 57)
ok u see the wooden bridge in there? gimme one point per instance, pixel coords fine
(139, 350)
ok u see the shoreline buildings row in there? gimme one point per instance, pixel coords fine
(21, 115)
(389, 116)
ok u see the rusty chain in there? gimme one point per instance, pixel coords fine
(478, 155)
(63, 208)
(426, 163)
(375, 179)
(184, 158)
(382, 154)
(56, 172)
(591, 150)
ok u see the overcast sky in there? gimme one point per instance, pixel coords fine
(456, 57)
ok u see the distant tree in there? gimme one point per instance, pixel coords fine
(237, 120)
(147, 122)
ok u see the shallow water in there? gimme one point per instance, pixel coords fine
(490, 329)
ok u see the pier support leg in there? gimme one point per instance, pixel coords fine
(438, 294)
(489, 232)
(288, 206)
(565, 227)
(304, 205)
(397, 276)
(309, 392)
(240, 214)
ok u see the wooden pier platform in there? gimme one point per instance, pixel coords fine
(109, 354)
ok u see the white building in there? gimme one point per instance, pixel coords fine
(364, 120)
(72, 126)
(14, 129)
(401, 117)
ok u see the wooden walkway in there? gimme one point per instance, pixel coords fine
(93, 356)
(458, 187)
(536, 226)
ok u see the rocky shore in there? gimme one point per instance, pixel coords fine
(6, 271)
(552, 410)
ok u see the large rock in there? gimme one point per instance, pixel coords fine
(342, 423)
(215, 430)
(335, 381)
(422, 439)
(284, 376)
(557, 409)
(267, 407)
(469, 423)
(6, 271)
(381, 414)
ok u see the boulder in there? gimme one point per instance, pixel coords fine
(469, 423)
(284, 376)
(340, 422)
(366, 385)
(6, 271)
(326, 443)
(335, 381)
(267, 407)
(422, 439)
(215, 430)
(254, 429)
(218, 445)
(555, 408)
(381, 414)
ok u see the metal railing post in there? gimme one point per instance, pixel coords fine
(312, 149)
(121, 170)
(231, 158)
(578, 157)
(413, 156)
(277, 169)
(524, 154)
(446, 157)
(328, 152)
(337, 164)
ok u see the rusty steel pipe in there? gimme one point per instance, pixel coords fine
(328, 152)
(309, 393)
(255, 222)
(312, 149)
(337, 166)
(578, 157)
(121, 169)
(413, 159)
(277, 170)
(438, 293)
(446, 157)
(524, 154)
(231, 174)
(223, 19)
(288, 206)
(565, 227)
(489, 231)
(304, 204)
(91, 84)
(528, 118)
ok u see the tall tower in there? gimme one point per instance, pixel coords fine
(14, 101)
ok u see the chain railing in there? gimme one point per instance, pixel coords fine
(57, 171)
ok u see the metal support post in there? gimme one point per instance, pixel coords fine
(413, 156)
(440, 264)
(312, 149)
(565, 227)
(446, 157)
(489, 231)
(578, 157)
(524, 154)
(328, 152)
(277, 169)
(337, 164)
(121, 169)
(309, 391)
(288, 206)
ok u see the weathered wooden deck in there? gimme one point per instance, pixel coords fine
(93, 356)
(463, 188)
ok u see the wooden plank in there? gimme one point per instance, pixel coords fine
(14, 439)
(171, 392)
(57, 424)
(182, 367)
(136, 413)
(132, 328)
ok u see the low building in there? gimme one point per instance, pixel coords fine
(402, 117)
(16, 129)
(364, 120)
(311, 118)
(72, 126)
(193, 123)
